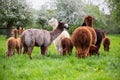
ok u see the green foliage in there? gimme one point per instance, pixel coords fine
(114, 20)
(42, 22)
(69, 11)
(55, 67)
(115, 9)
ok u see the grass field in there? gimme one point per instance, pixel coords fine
(54, 67)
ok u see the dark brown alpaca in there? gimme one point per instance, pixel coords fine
(13, 43)
(66, 46)
(88, 21)
(93, 50)
(106, 44)
(82, 39)
(41, 38)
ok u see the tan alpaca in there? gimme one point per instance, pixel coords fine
(13, 43)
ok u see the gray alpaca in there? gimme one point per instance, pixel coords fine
(41, 38)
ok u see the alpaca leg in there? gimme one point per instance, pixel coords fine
(64, 52)
(12, 52)
(43, 50)
(18, 50)
(60, 51)
(25, 50)
(30, 51)
(70, 52)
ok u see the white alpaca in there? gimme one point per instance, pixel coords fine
(57, 42)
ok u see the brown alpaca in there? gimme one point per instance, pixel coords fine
(66, 46)
(106, 44)
(82, 39)
(88, 21)
(93, 50)
(13, 43)
(93, 33)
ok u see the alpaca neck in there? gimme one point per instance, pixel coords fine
(55, 26)
(55, 33)
(15, 35)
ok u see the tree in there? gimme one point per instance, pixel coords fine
(114, 6)
(114, 20)
(100, 17)
(70, 11)
(13, 13)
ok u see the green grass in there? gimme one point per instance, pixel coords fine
(54, 67)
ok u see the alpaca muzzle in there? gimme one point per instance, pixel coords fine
(66, 26)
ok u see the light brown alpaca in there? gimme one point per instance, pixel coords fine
(41, 38)
(82, 39)
(13, 43)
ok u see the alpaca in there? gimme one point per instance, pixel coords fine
(82, 39)
(21, 29)
(13, 43)
(99, 33)
(41, 38)
(93, 50)
(100, 36)
(106, 44)
(57, 42)
(88, 21)
(67, 46)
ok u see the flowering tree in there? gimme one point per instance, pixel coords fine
(12, 13)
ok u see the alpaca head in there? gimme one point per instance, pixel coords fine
(93, 49)
(62, 25)
(103, 34)
(106, 44)
(53, 23)
(21, 29)
(89, 20)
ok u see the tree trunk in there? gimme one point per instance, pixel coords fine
(9, 28)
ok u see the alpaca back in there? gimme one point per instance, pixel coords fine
(66, 45)
(94, 35)
(81, 39)
(36, 37)
(99, 37)
(11, 43)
